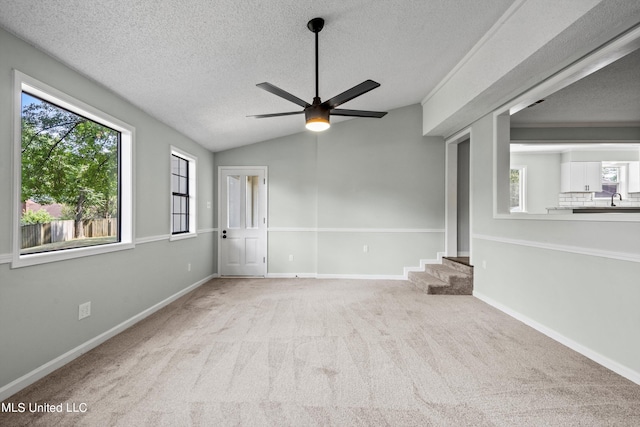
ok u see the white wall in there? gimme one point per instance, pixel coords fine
(575, 279)
(374, 182)
(39, 304)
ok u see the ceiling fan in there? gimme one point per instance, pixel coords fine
(317, 114)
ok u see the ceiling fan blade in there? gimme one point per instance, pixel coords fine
(264, 116)
(349, 94)
(283, 94)
(357, 113)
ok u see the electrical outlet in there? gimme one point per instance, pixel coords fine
(365, 248)
(290, 257)
(484, 264)
(84, 310)
(189, 267)
(208, 205)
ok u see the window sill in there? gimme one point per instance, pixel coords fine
(47, 257)
(182, 236)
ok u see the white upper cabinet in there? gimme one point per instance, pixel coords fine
(581, 177)
(634, 177)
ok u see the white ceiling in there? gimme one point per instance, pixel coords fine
(194, 64)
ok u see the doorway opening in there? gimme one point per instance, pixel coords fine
(458, 229)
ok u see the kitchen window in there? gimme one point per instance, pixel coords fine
(611, 181)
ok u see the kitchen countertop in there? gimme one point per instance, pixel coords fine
(593, 209)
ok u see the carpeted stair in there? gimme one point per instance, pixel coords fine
(453, 277)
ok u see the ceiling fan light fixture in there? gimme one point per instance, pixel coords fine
(317, 118)
(317, 124)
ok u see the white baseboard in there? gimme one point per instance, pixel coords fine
(423, 263)
(44, 370)
(616, 367)
(362, 276)
(291, 276)
(404, 276)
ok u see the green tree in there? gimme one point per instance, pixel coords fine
(69, 159)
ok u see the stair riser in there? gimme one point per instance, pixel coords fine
(448, 276)
(466, 269)
(443, 279)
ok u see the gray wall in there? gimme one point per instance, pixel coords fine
(374, 182)
(542, 179)
(39, 304)
(464, 239)
(578, 279)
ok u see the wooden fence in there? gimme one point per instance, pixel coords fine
(61, 231)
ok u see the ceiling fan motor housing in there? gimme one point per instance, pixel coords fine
(316, 113)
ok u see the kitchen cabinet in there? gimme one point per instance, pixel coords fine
(634, 177)
(580, 177)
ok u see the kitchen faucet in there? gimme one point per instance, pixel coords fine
(613, 195)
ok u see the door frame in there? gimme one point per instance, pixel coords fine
(451, 193)
(222, 205)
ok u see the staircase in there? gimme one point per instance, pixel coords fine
(453, 277)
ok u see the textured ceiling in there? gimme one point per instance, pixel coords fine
(610, 95)
(194, 64)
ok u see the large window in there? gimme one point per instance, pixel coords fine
(74, 177)
(183, 194)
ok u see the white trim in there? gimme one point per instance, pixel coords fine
(6, 258)
(159, 237)
(23, 82)
(592, 217)
(44, 370)
(182, 236)
(355, 230)
(474, 50)
(616, 367)
(207, 230)
(362, 276)
(620, 256)
(423, 263)
(577, 125)
(404, 276)
(291, 276)
(149, 239)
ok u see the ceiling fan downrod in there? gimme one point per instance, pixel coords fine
(315, 26)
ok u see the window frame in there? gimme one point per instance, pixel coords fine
(522, 188)
(192, 195)
(622, 179)
(25, 83)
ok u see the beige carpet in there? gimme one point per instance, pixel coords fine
(300, 352)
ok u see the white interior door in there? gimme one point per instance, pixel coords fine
(242, 200)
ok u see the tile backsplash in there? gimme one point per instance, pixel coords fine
(586, 199)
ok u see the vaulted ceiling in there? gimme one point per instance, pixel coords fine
(194, 65)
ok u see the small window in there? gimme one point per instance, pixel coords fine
(183, 194)
(611, 179)
(517, 189)
(74, 167)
